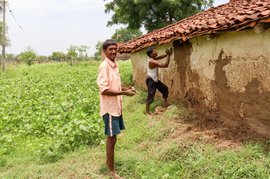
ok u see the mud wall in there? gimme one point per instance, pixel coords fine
(234, 71)
(229, 75)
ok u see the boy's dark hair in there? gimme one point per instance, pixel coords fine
(107, 43)
(149, 51)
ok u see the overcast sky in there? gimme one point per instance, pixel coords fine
(53, 25)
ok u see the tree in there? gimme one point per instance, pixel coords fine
(7, 41)
(125, 34)
(41, 59)
(10, 57)
(76, 53)
(82, 49)
(72, 51)
(153, 14)
(72, 54)
(120, 35)
(28, 56)
(58, 56)
(98, 50)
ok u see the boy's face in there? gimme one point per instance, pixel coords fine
(154, 54)
(111, 52)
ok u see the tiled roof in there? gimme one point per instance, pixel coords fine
(235, 15)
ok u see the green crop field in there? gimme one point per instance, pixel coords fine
(54, 107)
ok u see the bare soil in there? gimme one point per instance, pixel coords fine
(210, 129)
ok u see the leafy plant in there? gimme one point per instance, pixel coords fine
(55, 102)
(27, 56)
(152, 14)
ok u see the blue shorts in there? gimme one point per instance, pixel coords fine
(113, 125)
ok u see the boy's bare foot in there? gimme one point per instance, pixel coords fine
(113, 175)
(147, 112)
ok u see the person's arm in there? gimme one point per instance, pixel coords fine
(161, 57)
(110, 92)
(124, 88)
(167, 51)
(154, 63)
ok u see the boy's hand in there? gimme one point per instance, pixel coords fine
(133, 89)
(129, 92)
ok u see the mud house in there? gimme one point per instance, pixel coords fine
(221, 61)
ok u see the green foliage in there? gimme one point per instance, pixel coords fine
(58, 56)
(27, 56)
(53, 101)
(72, 51)
(10, 56)
(7, 41)
(82, 49)
(153, 14)
(76, 53)
(126, 73)
(125, 34)
(41, 59)
(98, 50)
(3, 162)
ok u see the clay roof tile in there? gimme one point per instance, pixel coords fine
(265, 13)
(237, 14)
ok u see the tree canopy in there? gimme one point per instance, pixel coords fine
(125, 34)
(97, 54)
(120, 35)
(152, 14)
(28, 56)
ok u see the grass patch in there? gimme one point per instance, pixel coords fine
(126, 72)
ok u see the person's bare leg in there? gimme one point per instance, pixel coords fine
(165, 104)
(110, 144)
(147, 108)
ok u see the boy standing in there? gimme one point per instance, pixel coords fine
(111, 92)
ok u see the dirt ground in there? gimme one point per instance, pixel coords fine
(211, 129)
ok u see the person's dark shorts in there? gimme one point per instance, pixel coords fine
(152, 86)
(113, 125)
